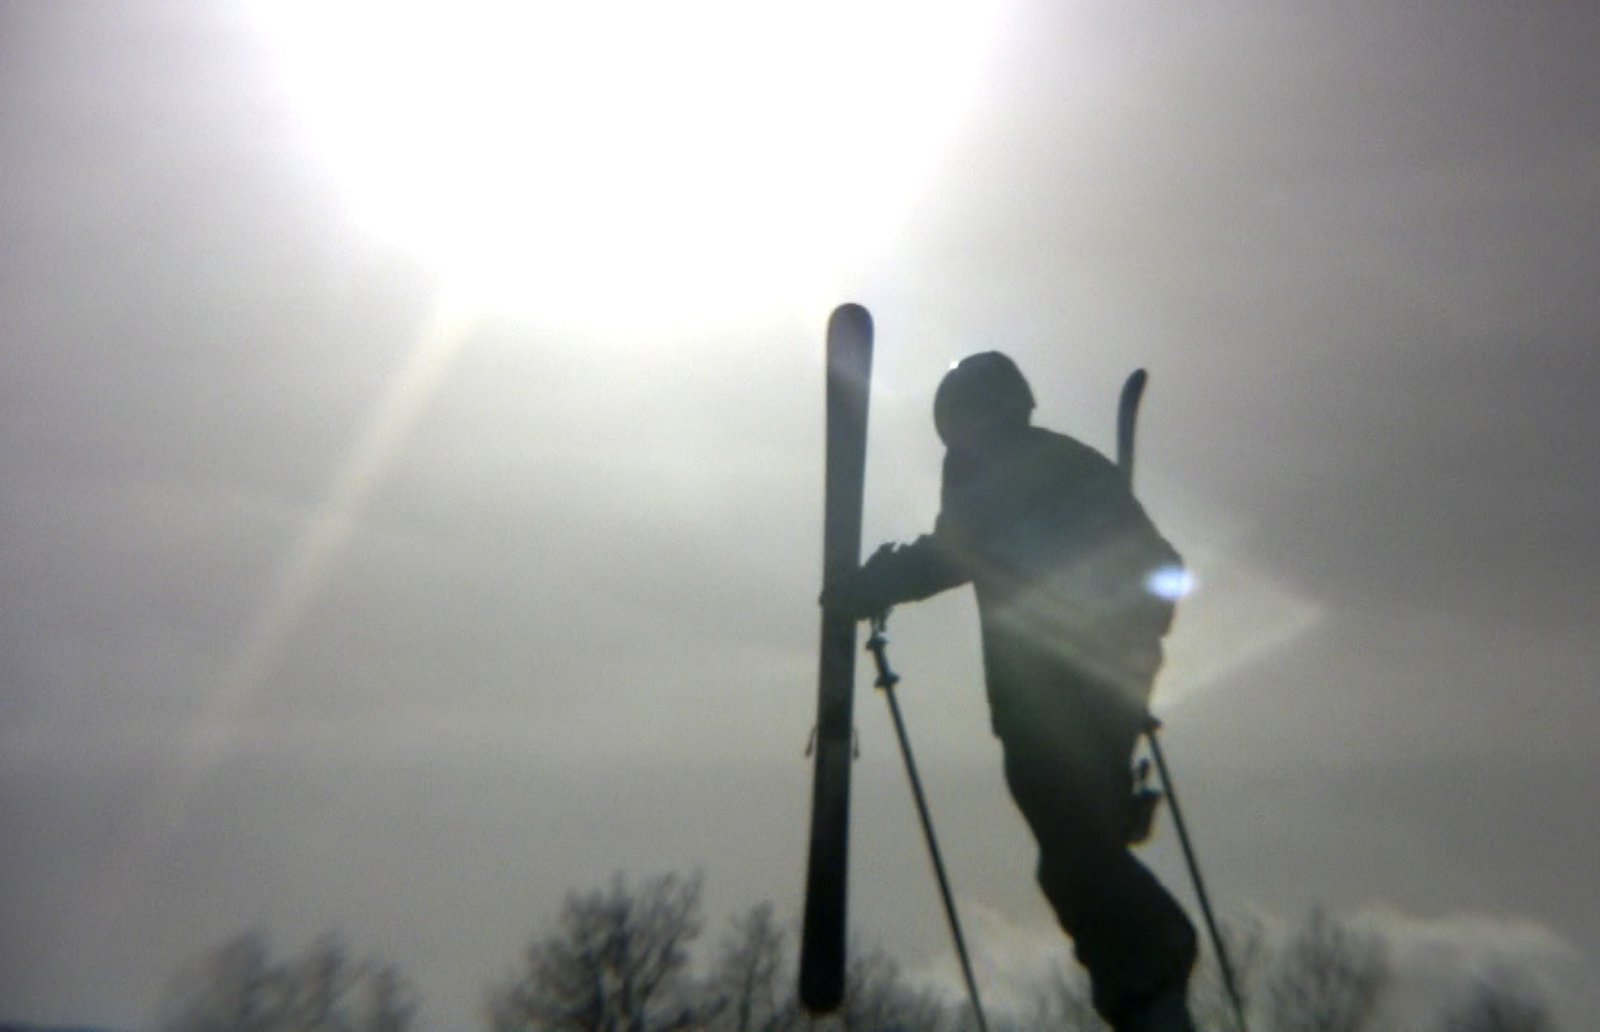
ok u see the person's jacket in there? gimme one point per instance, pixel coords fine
(1066, 565)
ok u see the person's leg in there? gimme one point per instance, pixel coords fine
(1070, 776)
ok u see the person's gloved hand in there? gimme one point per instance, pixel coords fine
(863, 592)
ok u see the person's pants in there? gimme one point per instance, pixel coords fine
(1067, 762)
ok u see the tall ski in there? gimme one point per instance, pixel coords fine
(822, 959)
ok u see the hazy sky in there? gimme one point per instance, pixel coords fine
(410, 458)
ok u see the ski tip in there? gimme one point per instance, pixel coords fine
(850, 312)
(1135, 382)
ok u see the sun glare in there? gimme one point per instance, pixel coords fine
(619, 163)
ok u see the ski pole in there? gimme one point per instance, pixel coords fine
(887, 679)
(1223, 963)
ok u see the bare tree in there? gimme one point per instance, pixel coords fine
(751, 985)
(1247, 958)
(231, 989)
(388, 1000)
(1504, 1000)
(878, 999)
(618, 963)
(1329, 978)
(238, 987)
(316, 987)
(1061, 1003)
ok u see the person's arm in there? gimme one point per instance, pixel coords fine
(906, 573)
(895, 574)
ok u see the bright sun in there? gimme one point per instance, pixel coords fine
(633, 163)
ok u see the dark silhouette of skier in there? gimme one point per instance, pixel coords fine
(1066, 568)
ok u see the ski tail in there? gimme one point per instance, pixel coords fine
(1128, 418)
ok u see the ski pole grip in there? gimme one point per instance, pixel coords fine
(877, 642)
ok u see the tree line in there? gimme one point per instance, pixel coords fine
(622, 958)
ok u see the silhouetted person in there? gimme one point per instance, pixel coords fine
(1065, 564)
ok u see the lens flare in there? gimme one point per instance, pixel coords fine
(1171, 583)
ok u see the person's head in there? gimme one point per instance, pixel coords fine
(982, 397)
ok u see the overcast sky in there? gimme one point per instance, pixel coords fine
(385, 553)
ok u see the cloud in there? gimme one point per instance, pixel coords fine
(1436, 959)
(1468, 941)
(1439, 958)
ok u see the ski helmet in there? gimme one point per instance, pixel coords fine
(981, 392)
